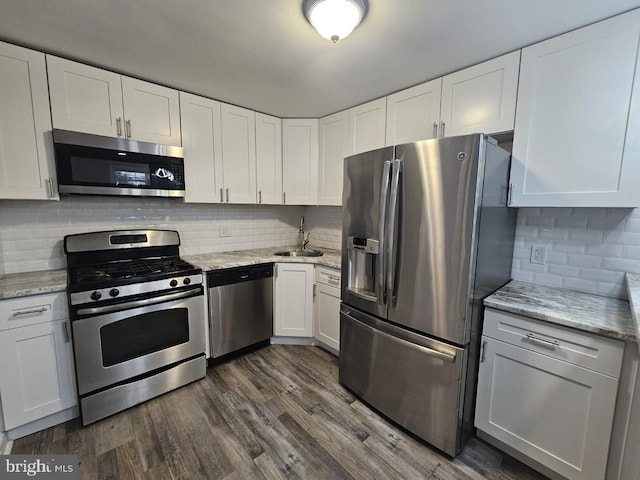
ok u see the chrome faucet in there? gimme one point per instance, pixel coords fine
(301, 240)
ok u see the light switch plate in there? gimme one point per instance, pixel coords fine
(225, 231)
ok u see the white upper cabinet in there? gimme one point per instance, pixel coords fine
(414, 114)
(26, 148)
(300, 161)
(367, 125)
(576, 141)
(269, 159)
(202, 142)
(334, 147)
(478, 99)
(92, 100)
(481, 98)
(238, 154)
(151, 112)
(84, 98)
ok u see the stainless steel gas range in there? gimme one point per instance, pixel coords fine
(137, 316)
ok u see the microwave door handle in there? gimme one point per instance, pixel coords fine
(380, 267)
(392, 224)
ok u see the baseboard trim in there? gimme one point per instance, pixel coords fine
(43, 423)
(5, 444)
(293, 341)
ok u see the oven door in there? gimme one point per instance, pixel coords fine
(118, 346)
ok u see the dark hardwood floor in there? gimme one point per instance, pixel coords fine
(278, 412)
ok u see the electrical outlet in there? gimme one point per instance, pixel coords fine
(225, 231)
(538, 254)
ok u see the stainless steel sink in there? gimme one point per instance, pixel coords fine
(297, 252)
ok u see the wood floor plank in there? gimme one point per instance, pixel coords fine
(278, 412)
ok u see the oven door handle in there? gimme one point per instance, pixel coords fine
(139, 303)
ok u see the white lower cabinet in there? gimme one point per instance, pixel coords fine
(37, 377)
(293, 300)
(548, 394)
(326, 300)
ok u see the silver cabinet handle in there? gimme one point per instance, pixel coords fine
(227, 195)
(333, 280)
(128, 128)
(50, 187)
(119, 126)
(510, 194)
(483, 349)
(67, 337)
(284, 198)
(541, 342)
(441, 129)
(222, 195)
(435, 129)
(29, 312)
(259, 196)
(314, 291)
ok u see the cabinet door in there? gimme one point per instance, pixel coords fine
(85, 99)
(293, 291)
(300, 162)
(482, 98)
(202, 142)
(238, 154)
(367, 126)
(327, 315)
(413, 114)
(573, 116)
(26, 148)
(269, 159)
(152, 112)
(334, 145)
(37, 376)
(556, 413)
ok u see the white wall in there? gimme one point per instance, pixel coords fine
(587, 249)
(31, 232)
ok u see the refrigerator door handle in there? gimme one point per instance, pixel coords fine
(384, 198)
(391, 257)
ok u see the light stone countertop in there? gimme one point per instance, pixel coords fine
(16, 285)
(633, 290)
(610, 317)
(241, 258)
(34, 283)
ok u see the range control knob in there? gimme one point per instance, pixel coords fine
(173, 283)
(96, 295)
(186, 281)
(114, 292)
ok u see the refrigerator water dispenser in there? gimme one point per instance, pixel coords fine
(363, 258)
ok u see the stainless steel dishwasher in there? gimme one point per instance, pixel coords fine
(240, 307)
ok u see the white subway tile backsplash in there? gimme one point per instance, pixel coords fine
(589, 261)
(31, 233)
(587, 249)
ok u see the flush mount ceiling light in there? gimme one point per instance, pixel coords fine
(335, 19)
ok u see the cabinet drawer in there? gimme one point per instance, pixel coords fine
(328, 276)
(23, 311)
(597, 353)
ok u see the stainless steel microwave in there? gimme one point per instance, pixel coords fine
(96, 165)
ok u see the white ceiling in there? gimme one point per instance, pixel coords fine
(263, 55)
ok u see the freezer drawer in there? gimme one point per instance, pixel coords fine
(411, 379)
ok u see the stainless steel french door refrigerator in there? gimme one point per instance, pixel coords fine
(426, 236)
